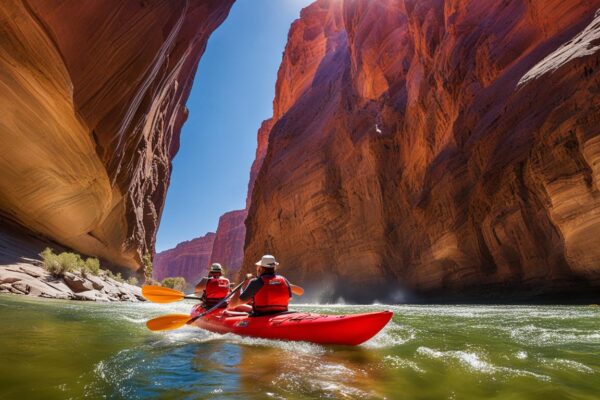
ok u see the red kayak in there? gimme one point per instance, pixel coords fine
(349, 330)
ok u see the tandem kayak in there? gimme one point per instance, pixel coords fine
(349, 330)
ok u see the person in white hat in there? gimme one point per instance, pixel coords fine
(214, 287)
(268, 292)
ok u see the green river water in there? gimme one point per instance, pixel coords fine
(52, 349)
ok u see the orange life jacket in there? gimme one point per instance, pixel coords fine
(273, 296)
(216, 289)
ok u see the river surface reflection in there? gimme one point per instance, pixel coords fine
(59, 349)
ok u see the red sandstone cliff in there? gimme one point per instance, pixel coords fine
(92, 99)
(439, 147)
(228, 249)
(188, 259)
(191, 259)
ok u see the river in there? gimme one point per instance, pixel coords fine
(52, 349)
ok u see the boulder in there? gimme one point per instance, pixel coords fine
(89, 295)
(96, 281)
(77, 283)
(32, 270)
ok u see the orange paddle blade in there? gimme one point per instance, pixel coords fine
(168, 322)
(159, 294)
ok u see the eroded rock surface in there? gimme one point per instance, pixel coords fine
(92, 99)
(228, 248)
(440, 148)
(188, 259)
(33, 280)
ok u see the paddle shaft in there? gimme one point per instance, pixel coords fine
(191, 298)
(216, 305)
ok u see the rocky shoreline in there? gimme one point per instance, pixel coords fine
(28, 279)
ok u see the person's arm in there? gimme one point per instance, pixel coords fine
(245, 294)
(200, 286)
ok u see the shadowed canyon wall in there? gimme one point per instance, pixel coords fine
(92, 100)
(440, 148)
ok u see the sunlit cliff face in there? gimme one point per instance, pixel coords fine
(436, 147)
(448, 148)
(91, 110)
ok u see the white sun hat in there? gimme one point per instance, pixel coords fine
(267, 261)
(216, 267)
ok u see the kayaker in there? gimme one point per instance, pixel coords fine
(267, 293)
(214, 287)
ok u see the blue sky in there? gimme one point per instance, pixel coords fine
(232, 94)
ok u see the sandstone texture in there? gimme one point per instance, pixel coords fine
(228, 248)
(191, 259)
(438, 149)
(92, 99)
(188, 259)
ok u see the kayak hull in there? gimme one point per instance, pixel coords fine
(348, 330)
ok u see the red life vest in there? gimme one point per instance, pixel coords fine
(216, 289)
(273, 296)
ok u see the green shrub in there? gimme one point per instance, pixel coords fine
(151, 281)
(50, 261)
(147, 261)
(91, 266)
(177, 283)
(132, 280)
(60, 264)
(117, 277)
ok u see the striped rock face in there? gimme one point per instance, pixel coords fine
(189, 260)
(92, 99)
(440, 148)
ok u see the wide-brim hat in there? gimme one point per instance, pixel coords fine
(267, 261)
(216, 267)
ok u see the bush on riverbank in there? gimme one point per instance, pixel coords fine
(92, 266)
(177, 283)
(133, 281)
(60, 264)
(117, 277)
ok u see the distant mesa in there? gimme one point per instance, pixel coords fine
(188, 259)
(191, 259)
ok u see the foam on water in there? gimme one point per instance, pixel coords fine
(398, 362)
(540, 336)
(475, 363)
(392, 335)
(562, 364)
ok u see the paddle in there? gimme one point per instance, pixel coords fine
(176, 321)
(163, 295)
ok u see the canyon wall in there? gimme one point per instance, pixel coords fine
(436, 149)
(187, 259)
(92, 100)
(192, 258)
(228, 249)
